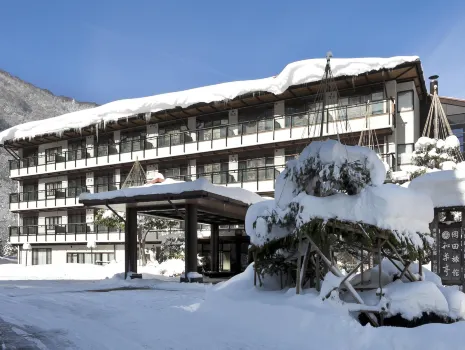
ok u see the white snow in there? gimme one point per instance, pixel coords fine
(412, 299)
(177, 187)
(172, 315)
(451, 142)
(27, 246)
(445, 188)
(295, 73)
(407, 213)
(170, 268)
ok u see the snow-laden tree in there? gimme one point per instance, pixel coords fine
(437, 154)
(326, 195)
(145, 224)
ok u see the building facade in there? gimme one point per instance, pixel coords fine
(243, 142)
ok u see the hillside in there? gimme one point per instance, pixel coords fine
(21, 102)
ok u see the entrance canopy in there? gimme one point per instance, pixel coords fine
(194, 202)
(215, 204)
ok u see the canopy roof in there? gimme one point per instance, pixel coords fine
(215, 204)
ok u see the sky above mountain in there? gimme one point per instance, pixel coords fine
(107, 50)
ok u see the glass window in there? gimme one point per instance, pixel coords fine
(41, 256)
(52, 222)
(405, 101)
(52, 154)
(52, 188)
(404, 154)
(76, 150)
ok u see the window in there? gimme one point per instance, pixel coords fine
(89, 258)
(77, 222)
(377, 107)
(29, 193)
(77, 150)
(52, 190)
(132, 142)
(52, 223)
(459, 133)
(405, 101)
(41, 256)
(213, 129)
(52, 155)
(256, 169)
(76, 186)
(106, 146)
(404, 154)
(30, 225)
(104, 183)
(216, 173)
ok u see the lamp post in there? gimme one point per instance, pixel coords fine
(26, 248)
(92, 244)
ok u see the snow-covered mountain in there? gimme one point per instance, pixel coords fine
(21, 102)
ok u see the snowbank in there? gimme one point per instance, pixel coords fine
(445, 188)
(412, 299)
(177, 187)
(296, 73)
(170, 268)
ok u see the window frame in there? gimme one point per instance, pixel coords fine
(413, 101)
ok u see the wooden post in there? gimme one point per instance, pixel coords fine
(304, 265)
(299, 261)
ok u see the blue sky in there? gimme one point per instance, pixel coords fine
(107, 50)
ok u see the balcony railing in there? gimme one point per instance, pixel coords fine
(71, 232)
(64, 229)
(60, 196)
(234, 134)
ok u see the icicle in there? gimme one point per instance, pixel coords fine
(148, 115)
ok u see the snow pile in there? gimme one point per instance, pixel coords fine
(411, 300)
(170, 268)
(455, 300)
(176, 187)
(445, 188)
(296, 73)
(405, 212)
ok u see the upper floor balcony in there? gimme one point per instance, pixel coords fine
(85, 232)
(287, 128)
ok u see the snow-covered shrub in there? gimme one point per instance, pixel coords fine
(431, 153)
(335, 187)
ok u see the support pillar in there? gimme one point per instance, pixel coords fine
(130, 242)
(190, 234)
(238, 243)
(214, 247)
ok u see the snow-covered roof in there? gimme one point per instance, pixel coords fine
(445, 188)
(176, 187)
(295, 73)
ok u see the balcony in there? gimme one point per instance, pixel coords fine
(84, 232)
(54, 198)
(265, 131)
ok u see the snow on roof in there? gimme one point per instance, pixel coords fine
(445, 188)
(295, 73)
(177, 187)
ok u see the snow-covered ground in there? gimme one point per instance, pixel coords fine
(66, 314)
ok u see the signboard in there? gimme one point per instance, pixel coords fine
(448, 254)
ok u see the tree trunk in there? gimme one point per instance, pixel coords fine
(141, 247)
